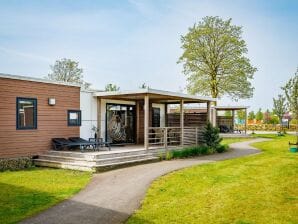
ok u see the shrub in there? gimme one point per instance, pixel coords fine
(15, 163)
(211, 136)
(169, 155)
(222, 148)
(190, 152)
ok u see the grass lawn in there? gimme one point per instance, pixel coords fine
(24, 193)
(254, 189)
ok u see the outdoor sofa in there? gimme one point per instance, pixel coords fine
(77, 142)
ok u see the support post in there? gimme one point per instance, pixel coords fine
(233, 120)
(138, 121)
(182, 121)
(165, 136)
(99, 134)
(197, 141)
(209, 111)
(166, 115)
(245, 122)
(146, 121)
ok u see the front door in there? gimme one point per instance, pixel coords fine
(120, 123)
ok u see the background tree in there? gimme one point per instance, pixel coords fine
(280, 108)
(291, 92)
(144, 86)
(241, 115)
(67, 70)
(228, 113)
(267, 116)
(214, 60)
(111, 87)
(259, 115)
(251, 115)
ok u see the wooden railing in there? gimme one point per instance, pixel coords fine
(174, 136)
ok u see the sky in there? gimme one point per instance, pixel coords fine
(137, 41)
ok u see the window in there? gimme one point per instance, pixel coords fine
(74, 118)
(26, 113)
(155, 117)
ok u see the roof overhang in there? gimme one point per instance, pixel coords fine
(154, 95)
(33, 79)
(231, 107)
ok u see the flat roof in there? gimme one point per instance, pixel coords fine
(33, 79)
(154, 94)
(231, 107)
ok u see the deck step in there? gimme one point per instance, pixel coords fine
(114, 159)
(93, 164)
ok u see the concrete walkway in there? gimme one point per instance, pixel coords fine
(111, 197)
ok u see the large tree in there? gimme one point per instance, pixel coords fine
(67, 70)
(280, 108)
(214, 59)
(291, 92)
(111, 87)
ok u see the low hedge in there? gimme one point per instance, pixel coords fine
(194, 151)
(15, 163)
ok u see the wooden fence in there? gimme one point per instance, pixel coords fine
(167, 137)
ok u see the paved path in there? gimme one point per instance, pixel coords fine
(111, 197)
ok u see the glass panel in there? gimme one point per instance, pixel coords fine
(155, 117)
(120, 123)
(74, 118)
(26, 113)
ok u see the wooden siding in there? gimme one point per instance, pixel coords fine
(51, 120)
(140, 121)
(190, 119)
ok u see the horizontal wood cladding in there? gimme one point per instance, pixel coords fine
(51, 120)
(190, 119)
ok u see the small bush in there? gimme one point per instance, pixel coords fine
(211, 136)
(15, 163)
(222, 148)
(169, 155)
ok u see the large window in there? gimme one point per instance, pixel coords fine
(120, 123)
(74, 118)
(26, 113)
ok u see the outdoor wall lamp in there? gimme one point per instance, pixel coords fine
(52, 101)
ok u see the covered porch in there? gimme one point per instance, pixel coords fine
(229, 123)
(141, 118)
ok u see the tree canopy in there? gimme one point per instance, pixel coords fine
(251, 115)
(214, 60)
(259, 115)
(280, 107)
(241, 114)
(291, 92)
(144, 86)
(111, 87)
(67, 70)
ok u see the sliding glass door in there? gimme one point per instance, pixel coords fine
(120, 123)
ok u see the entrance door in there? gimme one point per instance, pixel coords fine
(120, 123)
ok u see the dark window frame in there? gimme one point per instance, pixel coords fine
(134, 106)
(79, 118)
(34, 100)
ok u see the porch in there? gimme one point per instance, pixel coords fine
(142, 117)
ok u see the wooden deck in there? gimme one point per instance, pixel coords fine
(119, 156)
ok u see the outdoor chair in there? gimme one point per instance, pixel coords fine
(84, 143)
(100, 143)
(60, 143)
